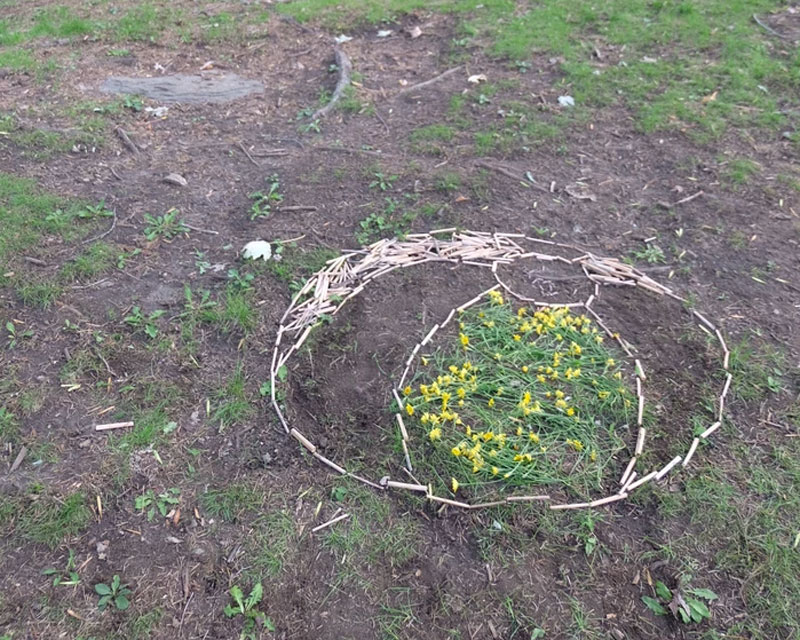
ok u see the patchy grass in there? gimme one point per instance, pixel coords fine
(49, 520)
(232, 400)
(231, 502)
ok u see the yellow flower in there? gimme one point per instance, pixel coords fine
(464, 340)
(425, 418)
(461, 393)
(496, 297)
(575, 444)
(425, 361)
(491, 402)
(575, 349)
(602, 394)
(559, 393)
(517, 337)
(435, 434)
(409, 409)
(407, 391)
(610, 362)
(497, 356)
(455, 451)
(454, 484)
(533, 437)
(499, 391)
(561, 404)
(495, 471)
(525, 368)
(593, 455)
(598, 339)
(571, 411)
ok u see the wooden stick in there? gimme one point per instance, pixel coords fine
(370, 483)
(727, 386)
(484, 505)
(113, 425)
(574, 505)
(453, 503)
(428, 337)
(330, 522)
(398, 399)
(303, 440)
(640, 441)
(641, 481)
(602, 501)
(640, 413)
(330, 463)
(703, 319)
(640, 369)
(407, 456)
(668, 467)
(477, 298)
(710, 430)
(402, 426)
(628, 471)
(631, 478)
(408, 487)
(692, 449)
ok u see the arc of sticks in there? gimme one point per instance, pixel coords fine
(326, 292)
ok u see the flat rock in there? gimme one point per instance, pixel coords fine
(193, 89)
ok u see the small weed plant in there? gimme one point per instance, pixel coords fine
(146, 324)
(167, 226)
(247, 608)
(68, 577)
(150, 501)
(116, 593)
(686, 604)
(263, 202)
(15, 336)
(525, 397)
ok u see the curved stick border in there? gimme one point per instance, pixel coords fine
(344, 277)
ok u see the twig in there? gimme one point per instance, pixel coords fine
(127, 141)
(383, 122)
(36, 261)
(508, 174)
(422, 85)
(247, 153)
(330, 522)
(298, 207)
(18, 460)
(201, 230)
(768, 29)
(688, 198)
(345, 69)
(113, 425)
(368, 152)
(105, 233)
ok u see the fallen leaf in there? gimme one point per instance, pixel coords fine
(477, 78)
(415, 31)
(176, 179)
(580, 191)
(566, 101)
(384, 33)
(709, 98)
(341, 39)
(257, 249)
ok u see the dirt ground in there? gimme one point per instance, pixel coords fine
(398, 567)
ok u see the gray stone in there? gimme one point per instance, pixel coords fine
(192, 89)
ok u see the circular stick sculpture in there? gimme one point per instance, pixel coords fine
(344, 277)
